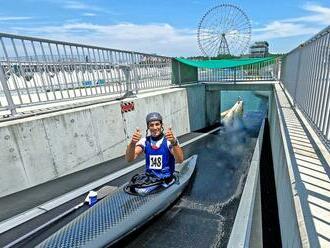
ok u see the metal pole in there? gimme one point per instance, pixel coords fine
(11, 104)
(22, 70)
(126, 70)
(297, 78)
(179, 73)
(235, 75)
(135, 73)
(279, 68)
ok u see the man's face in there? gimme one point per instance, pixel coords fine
(155, 128)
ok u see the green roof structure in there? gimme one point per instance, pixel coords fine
(224, 63)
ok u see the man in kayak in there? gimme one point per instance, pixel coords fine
(161, 150)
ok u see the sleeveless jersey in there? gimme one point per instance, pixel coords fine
(159, 161)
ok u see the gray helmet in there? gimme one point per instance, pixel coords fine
(154, 116)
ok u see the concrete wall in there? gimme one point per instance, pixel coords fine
(196, 106)
(247, 228)
(212, 101)
(41, 148)
(288, 220)
(256, 228)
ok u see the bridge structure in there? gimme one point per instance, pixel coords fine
(58, 98)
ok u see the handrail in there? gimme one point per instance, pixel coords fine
(36, 71)
(320, 34)
(30, 38)
(305, 75)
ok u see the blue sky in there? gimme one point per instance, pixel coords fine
(162, 27)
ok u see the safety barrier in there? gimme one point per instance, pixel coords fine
(264, 71)
(38, 71)
(305, 74)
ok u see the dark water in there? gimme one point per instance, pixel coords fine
(203, 216)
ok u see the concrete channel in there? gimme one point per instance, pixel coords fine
(102, 132)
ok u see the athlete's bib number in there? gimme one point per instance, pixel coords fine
(156, 162)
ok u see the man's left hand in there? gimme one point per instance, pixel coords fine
(170, 136)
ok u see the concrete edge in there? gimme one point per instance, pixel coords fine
(75, 105)
(296, 199)
(242, 229)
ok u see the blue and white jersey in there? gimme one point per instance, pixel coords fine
(159, 160)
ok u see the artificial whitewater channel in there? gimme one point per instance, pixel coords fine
(204, 215)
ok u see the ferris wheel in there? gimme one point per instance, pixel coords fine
(224, 30)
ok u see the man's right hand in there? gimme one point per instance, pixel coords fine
(132, 151)
(136, 136)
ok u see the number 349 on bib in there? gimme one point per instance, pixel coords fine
(156, 162)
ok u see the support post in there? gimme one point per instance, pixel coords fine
(3, 80)
(135, 74)
(126, 69)
(235, 70)
(297, 78)
(179, 73)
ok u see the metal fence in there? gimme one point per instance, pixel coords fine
(267, 71)
(39, 71)
(306, 75)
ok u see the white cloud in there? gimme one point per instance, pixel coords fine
(150, 38)
(76, 5)
(281, 29)
(310, 24)
(89, 14)
(15, 18)
(320, 15)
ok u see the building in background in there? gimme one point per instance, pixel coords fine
(259, 49)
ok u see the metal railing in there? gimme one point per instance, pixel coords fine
(305, 74)
(267, 71)
(39, 71)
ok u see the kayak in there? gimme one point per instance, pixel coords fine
(227, 117)
(119, 214)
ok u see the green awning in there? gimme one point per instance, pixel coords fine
(224, 63)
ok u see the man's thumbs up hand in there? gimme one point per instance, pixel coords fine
(170, 136)
(136, 136)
